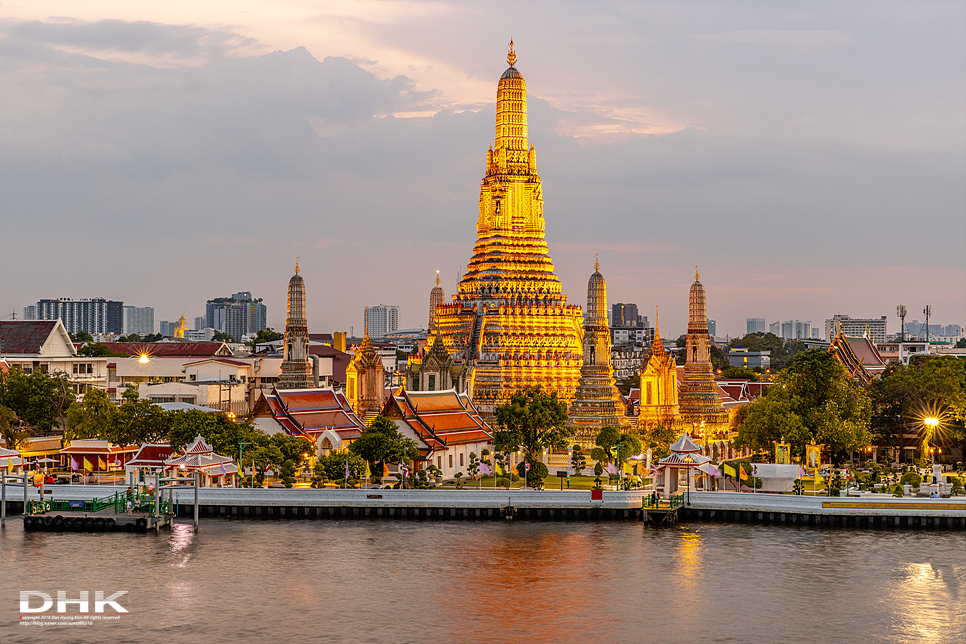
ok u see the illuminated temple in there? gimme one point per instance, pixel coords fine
(699, 401)
(509, 317)
(597, 402)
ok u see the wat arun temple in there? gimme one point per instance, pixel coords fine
(509, 317)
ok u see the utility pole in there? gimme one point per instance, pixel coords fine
(901, 312)
(926, 311)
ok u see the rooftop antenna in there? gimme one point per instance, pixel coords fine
(901, 312)
(926, 311)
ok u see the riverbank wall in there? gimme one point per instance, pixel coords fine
(867, 511)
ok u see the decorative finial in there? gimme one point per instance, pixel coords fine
(657, 319)
(296, 265)
(511, 58)
(367, 323)
(596, 262)
(437, 278)
(696, 275)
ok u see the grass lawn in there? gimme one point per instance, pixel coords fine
(550, 483)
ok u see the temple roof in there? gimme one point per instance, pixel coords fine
(685, 445)
(859, 356)
(511, 72)
(309, 412)
(438, 418)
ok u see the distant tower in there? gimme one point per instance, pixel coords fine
(296, 369)
(699, 399)
(597, 402)
(436, 298)
(365, 380)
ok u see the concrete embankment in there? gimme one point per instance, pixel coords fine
(868, 511)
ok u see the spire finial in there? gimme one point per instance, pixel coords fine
(596, 262)
(437, 278)
(296, 265)
(367, 322)
(697, 276)
(511, 58)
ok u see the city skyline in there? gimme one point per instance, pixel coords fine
(206, 149)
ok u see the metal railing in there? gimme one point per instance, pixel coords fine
(658, 503)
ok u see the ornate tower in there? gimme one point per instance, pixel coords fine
(597, 402)
(296, 369)
(436, 299)
(365, 380)
(659, 387)
(509, 316)
(699, 400)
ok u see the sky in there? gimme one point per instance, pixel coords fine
(808, 157)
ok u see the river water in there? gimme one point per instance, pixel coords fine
(452, 582)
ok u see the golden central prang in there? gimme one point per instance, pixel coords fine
(509, 317)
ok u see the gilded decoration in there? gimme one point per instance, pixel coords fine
(509, 316)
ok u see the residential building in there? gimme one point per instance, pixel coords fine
(756, 325)
(901, 351)
(200, 335)
(750, 359)
(30, 312)
(138, 320)
(775, 328)
(96, 315)
(381, 320)
(238, 315)
(43, 345)
(625, 314)
(856, 327)
(712, 328)
(167, 329)
(630, 336)
(627, 361)
(796, 330)
(200, 323)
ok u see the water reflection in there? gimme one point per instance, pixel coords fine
(922, 596)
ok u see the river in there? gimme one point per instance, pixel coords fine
(462, 581)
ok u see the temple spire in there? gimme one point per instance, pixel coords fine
(511, 58)
(296, 265)
(697, 276)
(596, 262)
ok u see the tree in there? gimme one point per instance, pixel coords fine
(961, 343)
(219, 431)
(138, 422)
(288, 473)
(98, 350)
(577, 460)
(533, 419)
(740, 372)
(816, 400)
(260, 459)
(333, 466)
(222, 337)
(94, 417)
(81, 336)
(382, 443)
(38, 399)
(659, 438)
(264, 335)
(610, 437)
(297, 449)
(12, 430)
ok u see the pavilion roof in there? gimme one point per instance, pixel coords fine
(685, 445)
(439, 418)
(309, 412)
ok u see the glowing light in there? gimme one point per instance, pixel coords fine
(930, 422)
(144, 359)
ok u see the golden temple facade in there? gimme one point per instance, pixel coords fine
(659, 387)
(597, 402)
(509, 316)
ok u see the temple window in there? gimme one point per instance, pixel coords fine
(451, 461)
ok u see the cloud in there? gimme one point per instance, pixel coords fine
(795, 38)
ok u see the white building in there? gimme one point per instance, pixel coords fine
(43, 345)
(382, 319)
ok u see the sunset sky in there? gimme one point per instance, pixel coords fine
(810, 158)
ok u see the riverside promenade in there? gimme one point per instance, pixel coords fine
(867, 511)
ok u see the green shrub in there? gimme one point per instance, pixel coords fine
(898, 490)
(287, 473)
(503, 482)
(911, 478)
(538, 472)
(957, 485)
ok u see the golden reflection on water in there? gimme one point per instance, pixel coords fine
(688, 557)
(922, 598)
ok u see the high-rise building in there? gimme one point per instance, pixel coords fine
(138, 319)
(199, 323)
(796, 330)
(712, 328)
(756, 325)
(775, 328)
(30, 312)
(856, 327)
(510, 315)
(167, 329)
(381, 320)
(625, 315)
(238, 315)
(597, 403)
(95, 316)
(296, 368)
(698, 399)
